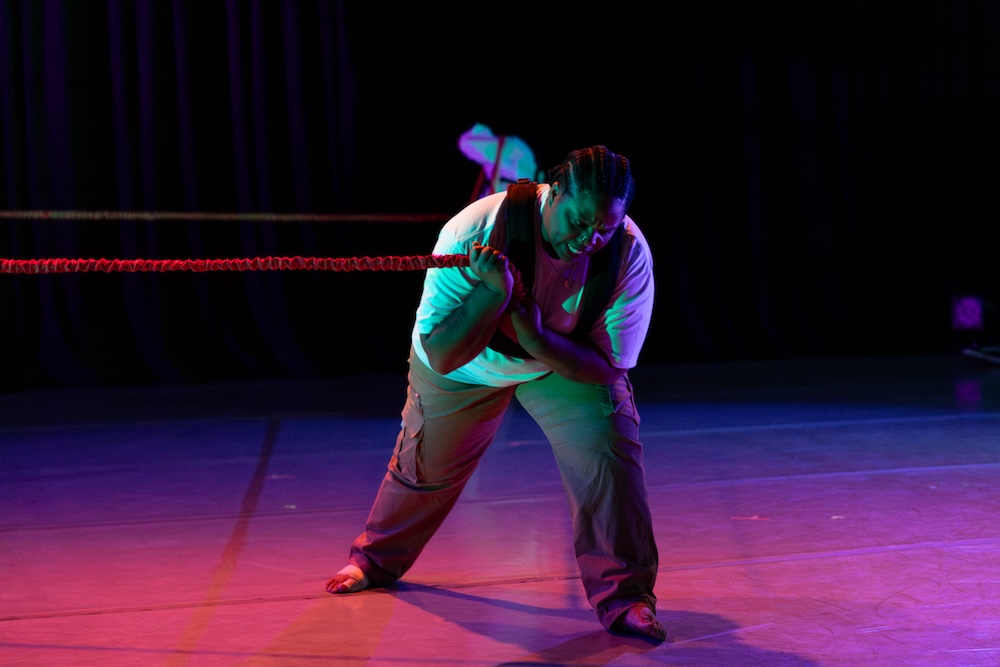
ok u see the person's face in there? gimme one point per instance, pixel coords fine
(580, 225)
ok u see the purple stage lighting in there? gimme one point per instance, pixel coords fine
(966, 313)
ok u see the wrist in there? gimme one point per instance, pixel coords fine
(493, 291)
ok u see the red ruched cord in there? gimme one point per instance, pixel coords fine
(388, 263)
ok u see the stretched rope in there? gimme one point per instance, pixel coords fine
(36, 266)
(228, 217)
(387, 263)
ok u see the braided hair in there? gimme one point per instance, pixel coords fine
(598, 171)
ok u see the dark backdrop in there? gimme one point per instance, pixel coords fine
(817, 179)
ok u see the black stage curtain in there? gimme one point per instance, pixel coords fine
(816, 179)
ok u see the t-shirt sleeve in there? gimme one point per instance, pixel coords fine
(445, 289)
(621, 330)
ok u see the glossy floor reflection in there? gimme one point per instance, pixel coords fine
(826, 512)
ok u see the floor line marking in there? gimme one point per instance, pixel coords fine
(224, 571)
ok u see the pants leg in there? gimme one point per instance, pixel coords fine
(446, 428)
(594, 433)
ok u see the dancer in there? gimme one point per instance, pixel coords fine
(563, 348)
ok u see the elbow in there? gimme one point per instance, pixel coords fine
(593, 369)
(440, 361)
(593, 375)
(612, 375)
(441, 367)
(436, 364)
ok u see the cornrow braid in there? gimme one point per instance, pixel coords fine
(596, 170)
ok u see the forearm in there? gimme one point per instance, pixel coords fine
(575, 361)
(464, 333)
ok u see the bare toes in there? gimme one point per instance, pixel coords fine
(641, 620)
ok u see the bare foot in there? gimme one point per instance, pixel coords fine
(351, 579)
(640, 620)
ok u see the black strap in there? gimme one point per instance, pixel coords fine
(602, 277)
(514, 230)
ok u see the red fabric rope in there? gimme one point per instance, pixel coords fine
(224, 217)
(388, 263)
(243, 264)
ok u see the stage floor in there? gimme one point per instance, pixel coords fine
(815, 512)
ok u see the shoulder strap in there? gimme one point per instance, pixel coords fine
(514, 231)
(602, 276)
(515, 226)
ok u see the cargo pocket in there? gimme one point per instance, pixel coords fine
(623, 398)
(405, 462)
